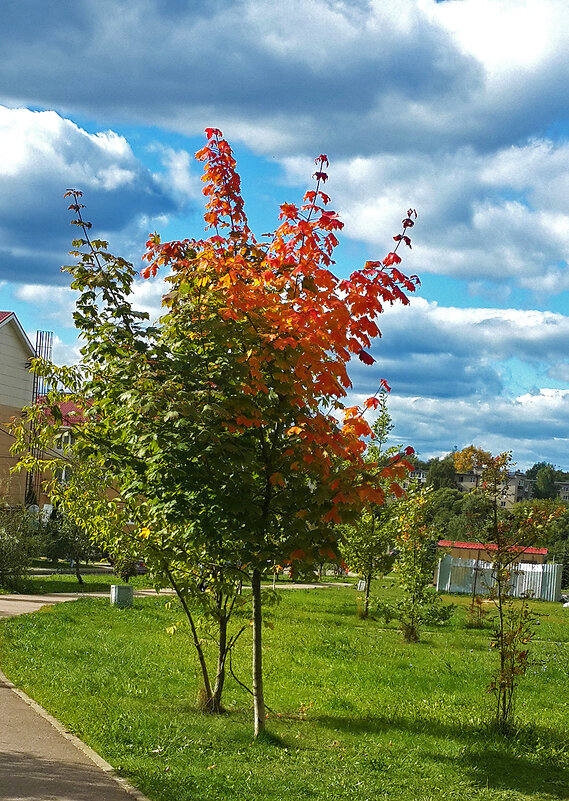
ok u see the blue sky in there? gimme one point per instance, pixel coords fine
(459, 109)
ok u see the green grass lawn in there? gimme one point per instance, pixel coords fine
(356, 713)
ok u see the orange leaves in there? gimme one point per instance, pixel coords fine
(151, 270)
(371, 403)
(371, 494)
(396, 490)
(294, 430)
(289, 211)
(330, 221)
(284, 326)
(357, 427)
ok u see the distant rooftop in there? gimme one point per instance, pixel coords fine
(479, 546)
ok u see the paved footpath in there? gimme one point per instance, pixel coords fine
(39, 759)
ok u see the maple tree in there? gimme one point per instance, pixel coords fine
(224, 427)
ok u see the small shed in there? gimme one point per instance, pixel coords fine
(483, 551)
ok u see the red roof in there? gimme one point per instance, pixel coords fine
(479, 546)
(70, 412)
(4, 315)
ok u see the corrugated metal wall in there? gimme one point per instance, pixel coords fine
(468, 576)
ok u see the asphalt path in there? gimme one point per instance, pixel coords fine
(39, 759)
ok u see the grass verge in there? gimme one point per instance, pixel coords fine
(359, 715)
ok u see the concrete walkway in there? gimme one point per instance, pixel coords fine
(39, 759)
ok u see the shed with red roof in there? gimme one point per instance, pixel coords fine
(483, 551)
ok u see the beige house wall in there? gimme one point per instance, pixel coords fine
(12, 487)
(16, 384)
(16, 381)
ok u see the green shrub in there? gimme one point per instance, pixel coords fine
(19, 542)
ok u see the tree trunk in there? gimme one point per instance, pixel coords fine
(258, 697)
(368, 585)
(207, 693)
(77, 572)
(216, 706)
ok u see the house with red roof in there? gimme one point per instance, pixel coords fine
(16, 388)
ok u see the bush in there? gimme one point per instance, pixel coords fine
(19, 542)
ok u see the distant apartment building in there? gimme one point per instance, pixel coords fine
(518, 487)
(16, 388)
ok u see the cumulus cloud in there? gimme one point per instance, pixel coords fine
(450, 107)
(487, 219)
(420, 76)
(532, 426)
(443, 106)
(452, 372)
(41, 156)
(441, 351)
(256, 55)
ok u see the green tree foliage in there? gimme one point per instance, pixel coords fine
(524, 526)
(545, 483)
(470, 524)
(441, 473)
(20, 541)
(365, 543)
(416, 548)
(533, 470)
(445, 505)
(65, 539)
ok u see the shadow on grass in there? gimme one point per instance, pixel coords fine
(46, 588)
(501, 769)
(267, 738)
(533, 760)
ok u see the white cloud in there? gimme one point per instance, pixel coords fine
(147, 296)
(499, 217)
(41, 156)
(457, 108)
(64, 353)
(532, 426)
(452, 371)
(56, 303)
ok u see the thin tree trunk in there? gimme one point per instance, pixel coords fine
(77, 572)
(368, 585)
(221, 657)
(258, 696)
(201, 657)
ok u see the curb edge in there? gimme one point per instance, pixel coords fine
(79, 744)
